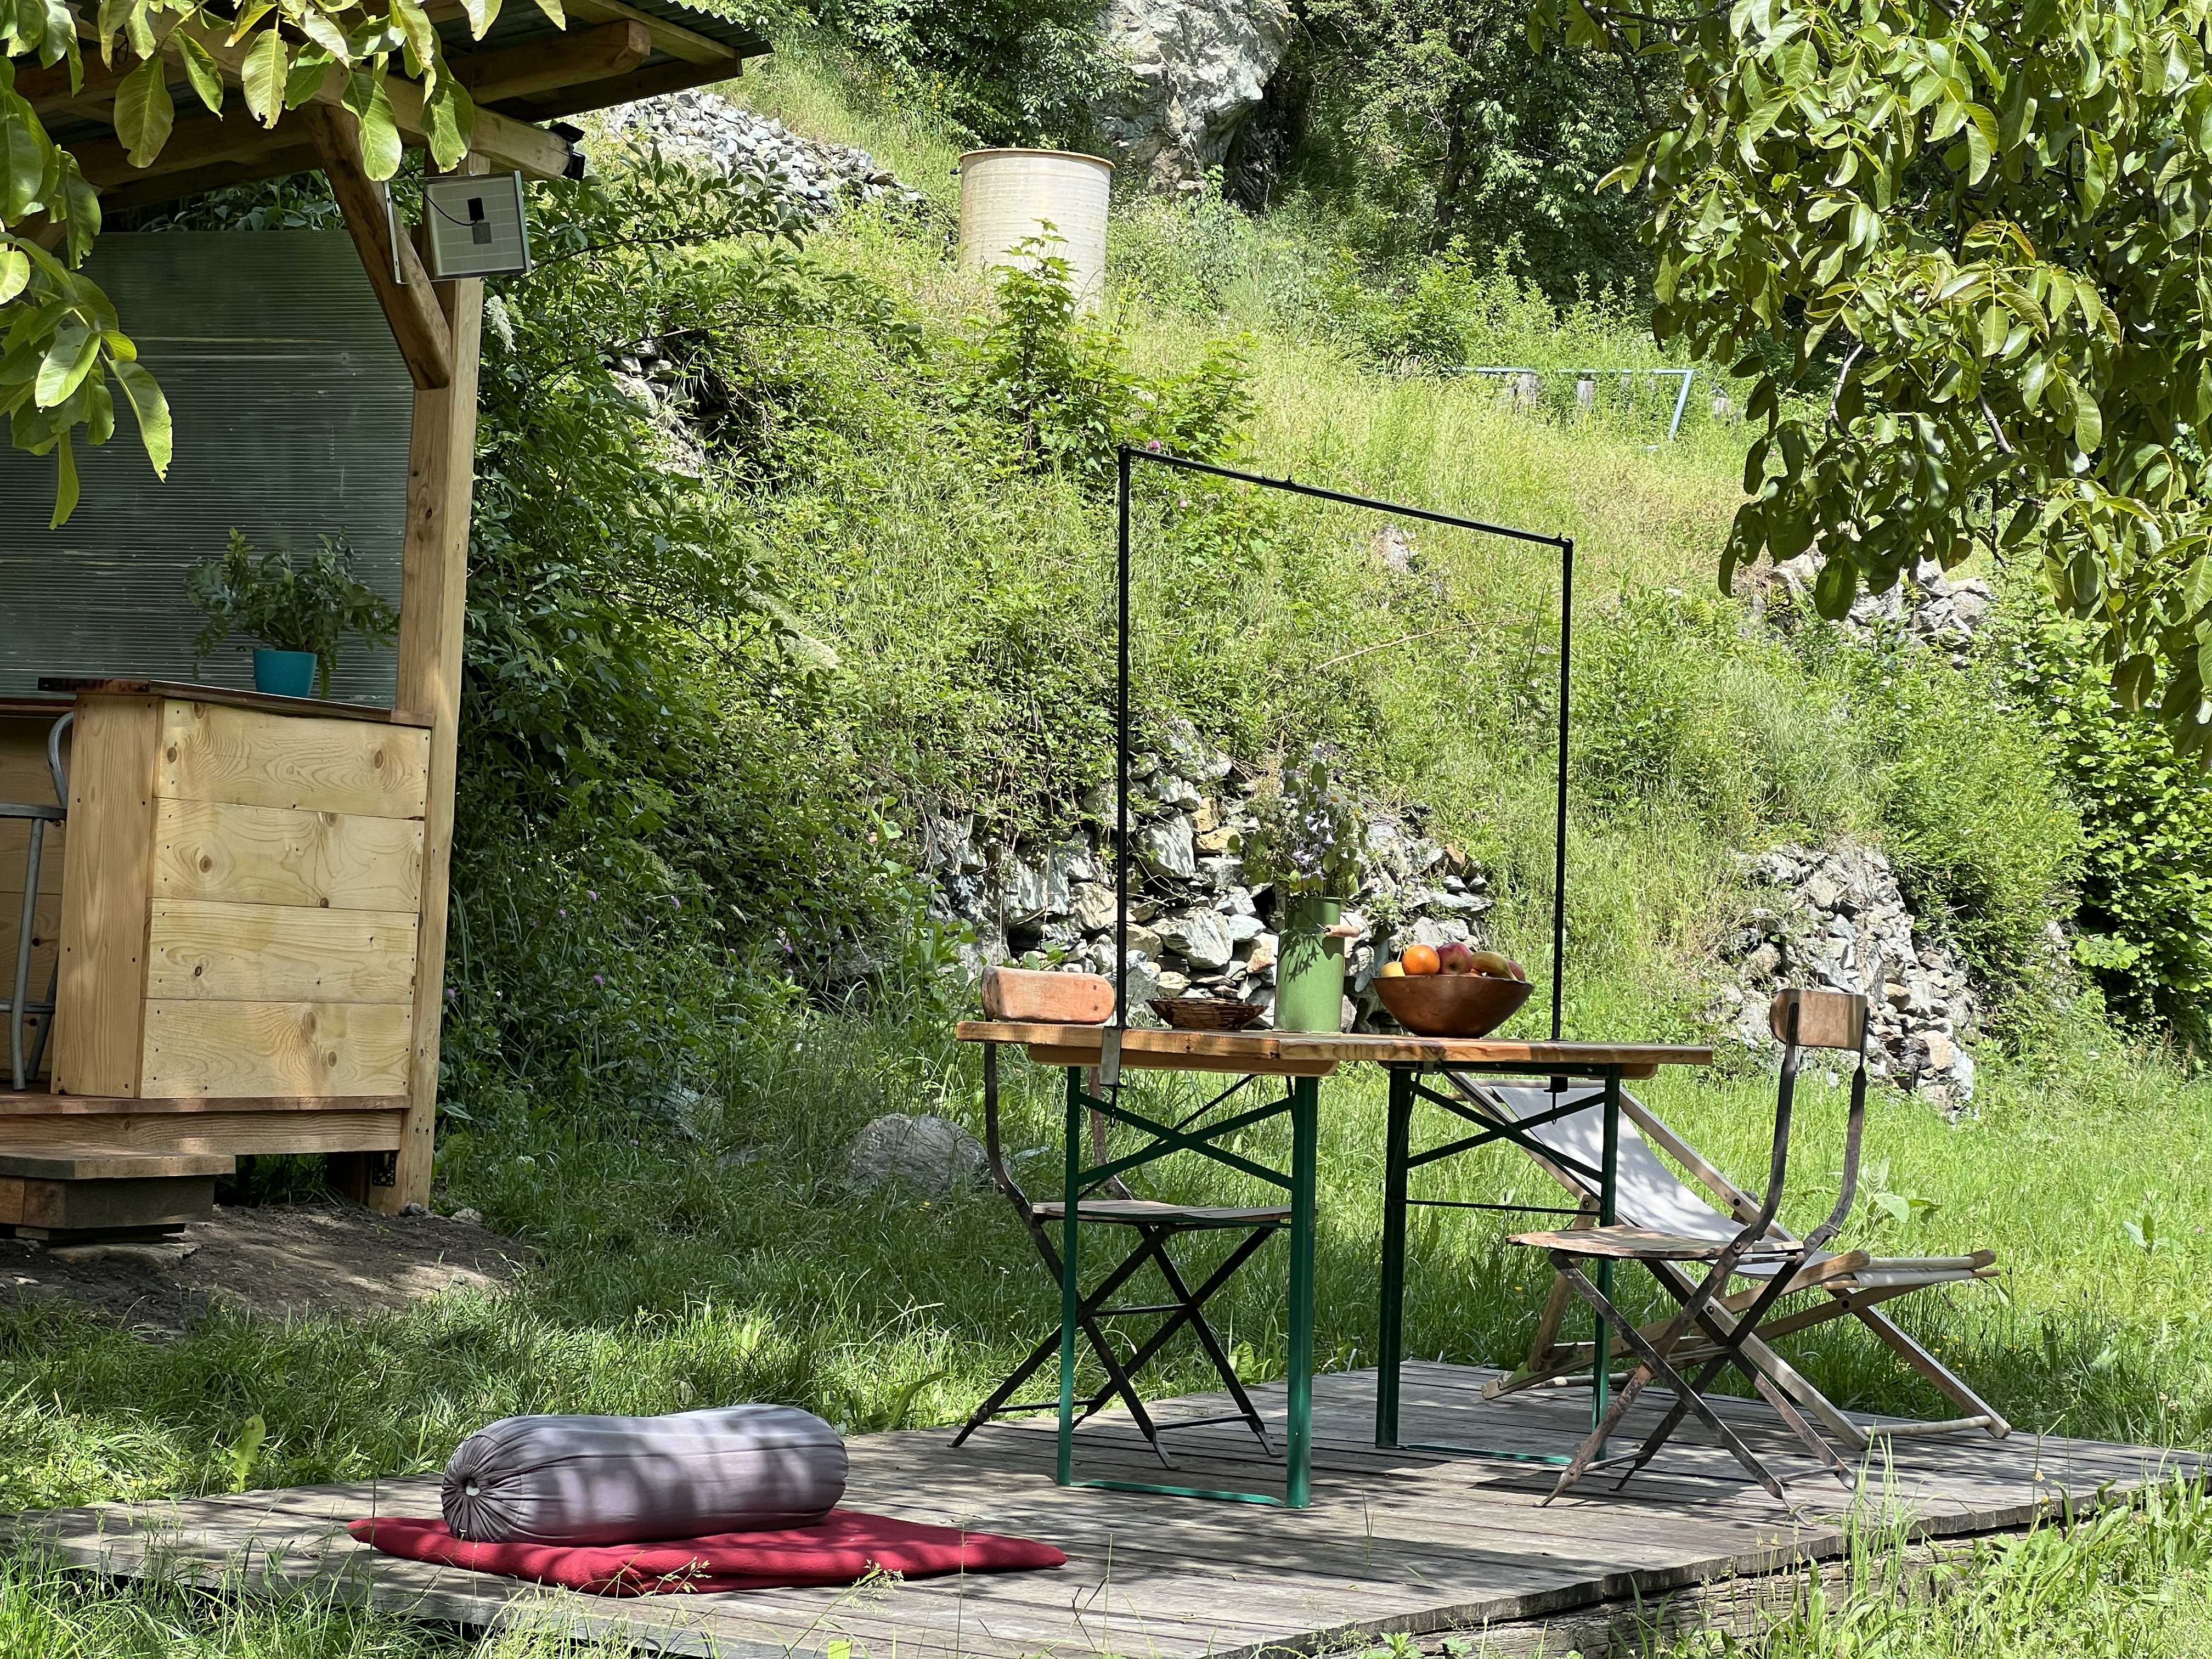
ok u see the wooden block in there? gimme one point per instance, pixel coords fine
(269, 855)
(374, 1128)
(1022, 994)
(12, 1200)
(75, 1162)
(99, 1029)
(200, 949)
(208, 1049)
(1826, 1019)
(99, 1206)
(252, 757)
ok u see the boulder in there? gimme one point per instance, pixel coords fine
(1166, 847)
(1201, 937)
(1200, 69)
(933, 1154)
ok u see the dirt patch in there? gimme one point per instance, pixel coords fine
(272, 1261)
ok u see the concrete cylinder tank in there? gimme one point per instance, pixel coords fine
(1008, 195)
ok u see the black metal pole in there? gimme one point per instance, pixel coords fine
(1121, 745)
(1559, 827)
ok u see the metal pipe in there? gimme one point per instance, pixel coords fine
(1122, 744)
(1560, 804)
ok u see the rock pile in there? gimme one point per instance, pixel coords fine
(1925, 609)
(816, 177)
(1196, 927)
(1835, 918)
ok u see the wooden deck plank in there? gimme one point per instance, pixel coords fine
(1396, 1539)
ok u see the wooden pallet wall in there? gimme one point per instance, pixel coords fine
(241, 902)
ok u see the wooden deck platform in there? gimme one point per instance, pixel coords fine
(1396, 1540)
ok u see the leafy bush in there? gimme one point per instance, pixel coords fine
(2146, 878)
(1058, 382)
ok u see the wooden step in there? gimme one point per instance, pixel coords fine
(67, 1192)
(229, 1125)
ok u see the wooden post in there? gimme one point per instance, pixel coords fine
(433, 605)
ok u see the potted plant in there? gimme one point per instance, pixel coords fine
(292, 616)
(1306, 842)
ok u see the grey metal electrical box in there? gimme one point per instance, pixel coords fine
(476, 226)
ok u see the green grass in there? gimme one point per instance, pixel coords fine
(733, 1262)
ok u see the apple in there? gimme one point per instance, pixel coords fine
(1420, 959)
(1494, 964)
(1453, 958)
(1517, 971)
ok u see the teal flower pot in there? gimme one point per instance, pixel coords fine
(284, 673)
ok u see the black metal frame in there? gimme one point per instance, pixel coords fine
(1127, 454)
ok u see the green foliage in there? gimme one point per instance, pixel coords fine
(1307, 834)
(1057, 383)
(2146, 879)
(1953, 225)
(1004, 71)
(285, 606)
(1435, 121)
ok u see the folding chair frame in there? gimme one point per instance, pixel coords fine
(1549, 1364)
(1184, 1308)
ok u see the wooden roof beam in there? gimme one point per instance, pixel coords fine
(678, 76)
(592, 54)
(418, 322)
(673, 39)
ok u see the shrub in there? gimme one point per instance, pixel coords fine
(2146, 879)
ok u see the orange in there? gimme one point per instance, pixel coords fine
(1420, 959)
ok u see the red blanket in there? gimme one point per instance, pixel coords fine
(839, 1549)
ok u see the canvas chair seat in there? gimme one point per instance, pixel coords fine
(1145, 1211)
(1650, 1197)
(1628, 1243)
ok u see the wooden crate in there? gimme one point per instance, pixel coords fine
(240, 904)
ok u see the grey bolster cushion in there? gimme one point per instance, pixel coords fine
(627, 1479)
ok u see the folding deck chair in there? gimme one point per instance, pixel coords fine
(1652, 1199)
(1157, 1225)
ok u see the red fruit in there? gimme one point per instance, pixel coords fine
(1518, 971)
(1453, 958)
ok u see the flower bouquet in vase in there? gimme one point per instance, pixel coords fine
(1306, 844)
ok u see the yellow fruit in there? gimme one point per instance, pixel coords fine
(1392, 970)
(1495, 963)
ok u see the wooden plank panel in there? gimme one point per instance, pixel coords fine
(99, 1031)
(209, 1049)
(267, 855)
(213, 753)
(15, 851)
(207, 950)
(368, 1130)
(46, 935)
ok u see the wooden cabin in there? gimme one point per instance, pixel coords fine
(245, 913)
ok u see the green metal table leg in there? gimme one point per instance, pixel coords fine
(1391, 1324)
(1608, 1168)
(1305, 1153)
(1070, 1300)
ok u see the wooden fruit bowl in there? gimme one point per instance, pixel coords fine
(1452, 1005)
(1204, 1013)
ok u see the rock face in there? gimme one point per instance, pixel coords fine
(816, 178)
(931, 1153)
(1835, 918)
(1926, 608)
(1195, 927)
(1201, 67)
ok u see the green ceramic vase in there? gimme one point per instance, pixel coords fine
(1309, 967)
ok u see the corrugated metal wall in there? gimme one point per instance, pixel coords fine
(292, 409)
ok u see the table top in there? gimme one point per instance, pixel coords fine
(1315, 1054)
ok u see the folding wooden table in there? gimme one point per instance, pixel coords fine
(1301, 1060)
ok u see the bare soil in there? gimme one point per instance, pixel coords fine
(272, 1261)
